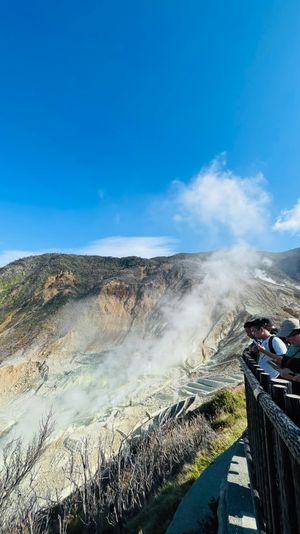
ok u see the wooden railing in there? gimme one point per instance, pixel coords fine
(273, 413)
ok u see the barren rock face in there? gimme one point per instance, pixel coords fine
(59, 284)
(16, 378)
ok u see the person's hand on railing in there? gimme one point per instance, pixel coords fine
(289, 375)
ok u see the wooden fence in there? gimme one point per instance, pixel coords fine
(273, 412)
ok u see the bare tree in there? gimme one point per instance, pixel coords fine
(18, 466)
(113, 490)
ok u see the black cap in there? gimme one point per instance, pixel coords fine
(262, 322)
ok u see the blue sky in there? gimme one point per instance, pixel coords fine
(149, 127)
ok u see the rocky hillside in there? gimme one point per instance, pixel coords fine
(110, 343)
(34, 289)
(54, 306)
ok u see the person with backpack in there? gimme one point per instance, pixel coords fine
(289, 332)
(268, 344)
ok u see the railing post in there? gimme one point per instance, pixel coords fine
(283, 382)
(273, 512)
(284, 470)
(278, 393)
(292, 409)
(265, 381)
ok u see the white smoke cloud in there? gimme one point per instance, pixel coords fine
(224, 277)
(289, 220)
(217, 198)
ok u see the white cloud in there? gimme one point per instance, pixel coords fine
(289, 220)
(144, 247)
(218, 198)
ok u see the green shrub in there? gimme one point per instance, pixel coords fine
(223, 401)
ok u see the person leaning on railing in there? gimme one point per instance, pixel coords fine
(252, 349)
(261, 330)
(288, 362)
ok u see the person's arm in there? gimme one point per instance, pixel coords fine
(276, 357)
(279, 350)
(287, 374)
(291, 363)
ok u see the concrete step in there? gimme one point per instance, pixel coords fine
(225, 379)
(200, 385)
(190, 390)
(212, 383)
(173, 411)
(237, 375)
(207, 385)
(183, 393)
(209, 380)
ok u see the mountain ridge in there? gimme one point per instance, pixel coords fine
(34, 288)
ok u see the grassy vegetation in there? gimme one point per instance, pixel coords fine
(6, 285)
(227, 416)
